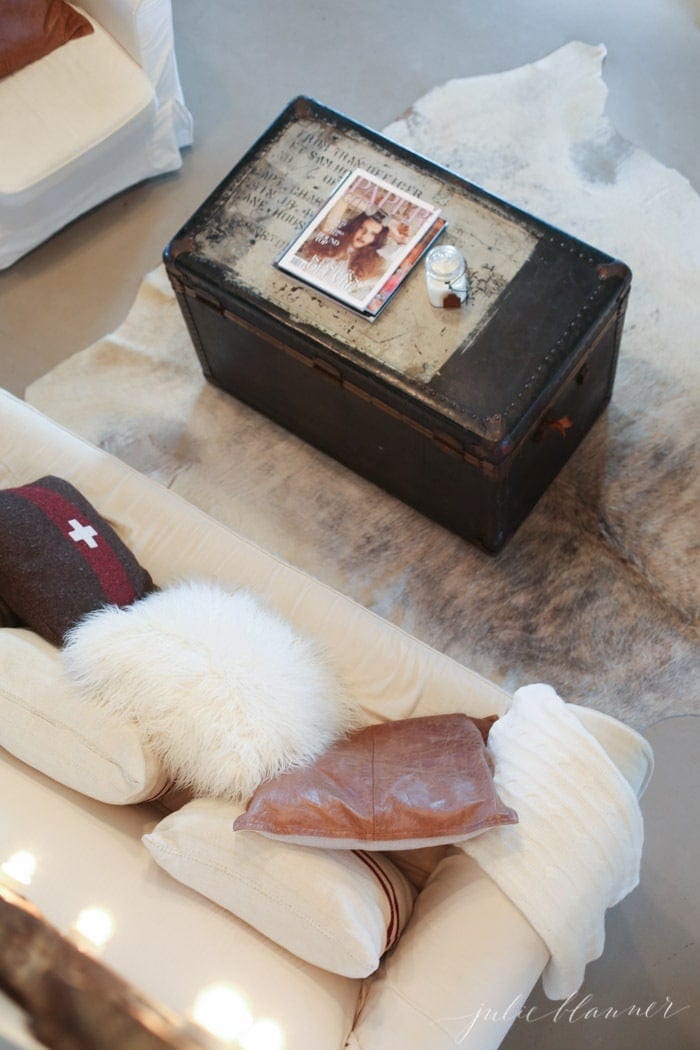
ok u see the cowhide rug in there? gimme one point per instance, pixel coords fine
(596, 592)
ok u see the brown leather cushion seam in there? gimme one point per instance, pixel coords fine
(427, 832)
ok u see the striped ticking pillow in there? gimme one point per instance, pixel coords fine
(340, 910)
(59, 559)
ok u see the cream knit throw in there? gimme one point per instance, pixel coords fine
(577, 848)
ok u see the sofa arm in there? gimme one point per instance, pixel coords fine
(469, 957)
(144, 28)
(629, 750)
(463, 969)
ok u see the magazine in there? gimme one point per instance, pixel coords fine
(363, 243)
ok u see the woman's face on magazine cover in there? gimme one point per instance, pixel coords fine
(366, 234)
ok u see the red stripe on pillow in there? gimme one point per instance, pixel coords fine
(392, 933)
(116, 586)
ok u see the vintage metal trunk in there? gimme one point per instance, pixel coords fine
(465, 414)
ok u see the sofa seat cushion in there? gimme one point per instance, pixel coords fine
(56, 110)
(168, 941)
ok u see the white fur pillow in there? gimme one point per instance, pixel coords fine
(223, 690)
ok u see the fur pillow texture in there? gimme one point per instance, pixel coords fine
(224, 691)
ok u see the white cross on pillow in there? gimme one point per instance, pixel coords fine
(84, 533)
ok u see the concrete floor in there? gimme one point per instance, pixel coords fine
(240, 63)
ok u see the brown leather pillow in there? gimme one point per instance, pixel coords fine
(30, 29)
(399, 785)
(59, 559)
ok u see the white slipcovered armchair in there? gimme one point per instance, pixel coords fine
(88, 120)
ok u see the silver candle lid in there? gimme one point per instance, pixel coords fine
(445, 263)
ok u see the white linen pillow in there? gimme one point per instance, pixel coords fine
(45, 724)
(337, 909)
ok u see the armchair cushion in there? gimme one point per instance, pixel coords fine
(89, 120)
(34, 28)
(63, 113)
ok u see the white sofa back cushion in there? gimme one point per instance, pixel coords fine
(79, 744)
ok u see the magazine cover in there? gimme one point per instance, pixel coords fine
(357, 246)
(394, 281)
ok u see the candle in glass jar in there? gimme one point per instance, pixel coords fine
(446, 276)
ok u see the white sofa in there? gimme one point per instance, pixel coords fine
(466, 944)
(88, 120)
